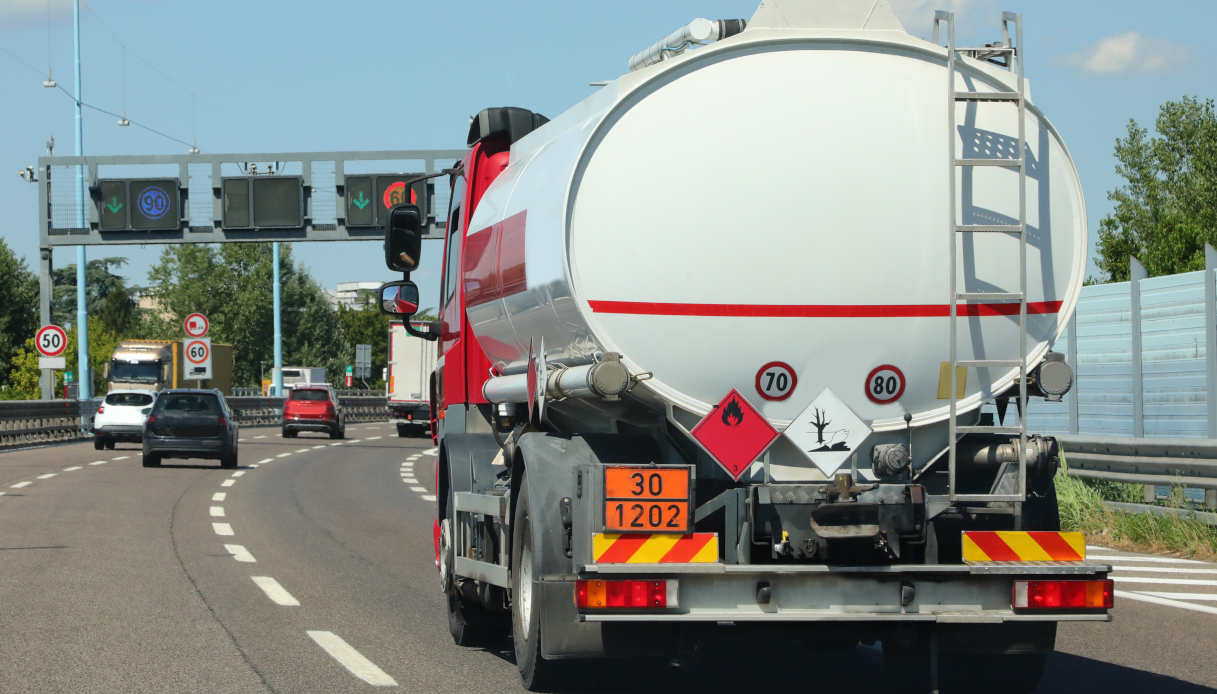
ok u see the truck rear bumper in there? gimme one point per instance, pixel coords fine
(950, 593)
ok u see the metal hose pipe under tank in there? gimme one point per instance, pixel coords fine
(606, 379)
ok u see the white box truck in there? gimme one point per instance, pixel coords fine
(411, 361)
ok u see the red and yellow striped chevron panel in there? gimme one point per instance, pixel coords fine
(1022, 545)
(654, 548)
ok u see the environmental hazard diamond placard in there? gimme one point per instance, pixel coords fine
(734, 434)
(827, 432)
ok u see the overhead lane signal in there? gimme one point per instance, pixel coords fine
(370, 197)
(263, 202)
(138, 204)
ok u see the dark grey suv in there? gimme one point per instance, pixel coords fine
(190, 424)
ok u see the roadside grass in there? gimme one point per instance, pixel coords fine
(1081, 508)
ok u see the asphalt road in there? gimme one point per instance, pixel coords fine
(310, 569)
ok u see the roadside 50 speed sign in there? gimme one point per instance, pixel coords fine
(51, 340)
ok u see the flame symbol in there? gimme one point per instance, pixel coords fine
(732, 414)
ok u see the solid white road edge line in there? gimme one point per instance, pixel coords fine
(241, 554)
(228, 483)
(219, 496)
(1163, 581)
(74, 468)
(275, 592)
(47, 476)
(222, 528)
(21, 485)
(216, 511)
(351, 659)
(1163, 569)
(1180, 596)
(1160, 560)
(1163, 601)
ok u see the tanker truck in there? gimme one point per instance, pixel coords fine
(740, 348)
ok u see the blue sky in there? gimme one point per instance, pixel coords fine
(273, 76)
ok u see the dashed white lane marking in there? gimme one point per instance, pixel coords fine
(374, 438)
(241, 554)
(418, 490)
(1163, 581)
(356, 440)
(242, 440)
(222, 528)
(408, 480)
(322, 445)
(428, 497)
(228, 483)
(351, 659)
(3, 493)
(74, 468)
(238, 473)
(47, 476)
(1164, 601)
(302, 450)
(219, 496)
(121, 457)
(99, 462)
(265, 461)
(336, 443)
(283, 455)
(21, 485)
(275, 592)
(216, 511)
(431, 451)
(260, 437)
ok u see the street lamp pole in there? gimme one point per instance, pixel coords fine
(82, 309)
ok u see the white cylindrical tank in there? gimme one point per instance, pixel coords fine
(781, 195)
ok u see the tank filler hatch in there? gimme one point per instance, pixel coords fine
(511, 122)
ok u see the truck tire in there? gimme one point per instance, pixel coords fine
(402, 431)
(151, 460)
(468, 623)
(289, 434)
(537, 673)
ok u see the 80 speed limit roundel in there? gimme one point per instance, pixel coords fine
(884, 384)
(776, 380)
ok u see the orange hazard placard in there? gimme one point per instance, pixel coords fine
(646, 499)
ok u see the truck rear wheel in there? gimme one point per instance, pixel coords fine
(537, 673)
(402, 431)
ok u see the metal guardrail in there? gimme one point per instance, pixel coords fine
(34, 422)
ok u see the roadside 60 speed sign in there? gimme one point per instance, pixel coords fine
(198, 358)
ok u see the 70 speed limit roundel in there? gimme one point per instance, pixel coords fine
(884, 384)
(776, 380)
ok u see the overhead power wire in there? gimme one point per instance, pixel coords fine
(149, 128)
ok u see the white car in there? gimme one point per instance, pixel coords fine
(121, 417)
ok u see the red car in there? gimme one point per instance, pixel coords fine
(313, 409)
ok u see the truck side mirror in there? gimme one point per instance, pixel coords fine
(432, 329)
(403, 238)
(399, 298)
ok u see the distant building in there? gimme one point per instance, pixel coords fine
(150, 304)
(353, 295)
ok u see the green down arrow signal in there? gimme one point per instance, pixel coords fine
(361, 201)
(114, 205)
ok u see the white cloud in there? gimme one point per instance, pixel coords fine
(1130, 53)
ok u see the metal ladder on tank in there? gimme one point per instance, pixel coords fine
(1008, 54)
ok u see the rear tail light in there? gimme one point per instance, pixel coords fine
(1060, 595)
(329, 411)
(221, 421)
(101, 409)
(625, 594)
(151, 418)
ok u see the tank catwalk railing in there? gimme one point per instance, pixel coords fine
(36, 422)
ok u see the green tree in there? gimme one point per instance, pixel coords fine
(1167, 208)
(23, 375)
(107, 294)
(19, 297)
